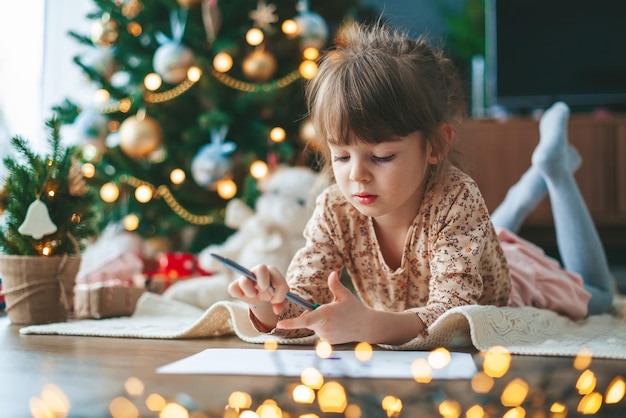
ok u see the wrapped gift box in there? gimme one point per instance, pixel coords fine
(105, 300)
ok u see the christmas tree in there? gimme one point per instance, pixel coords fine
(196, 100)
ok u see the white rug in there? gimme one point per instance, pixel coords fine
(527, 330)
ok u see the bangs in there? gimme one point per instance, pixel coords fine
(364, 99)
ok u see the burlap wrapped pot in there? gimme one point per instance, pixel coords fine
(38, 289)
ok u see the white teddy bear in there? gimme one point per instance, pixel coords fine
(271, 234)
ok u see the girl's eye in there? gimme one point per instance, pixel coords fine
(383, 159)
(338, 158)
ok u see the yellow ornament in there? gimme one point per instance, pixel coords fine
(260, 65)
(140, 136)
(105, 32)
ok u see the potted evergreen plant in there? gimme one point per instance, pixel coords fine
(48, 216)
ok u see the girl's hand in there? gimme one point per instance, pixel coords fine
(346, 320)
(264, 302)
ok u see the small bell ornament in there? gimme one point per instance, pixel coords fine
(37, 222)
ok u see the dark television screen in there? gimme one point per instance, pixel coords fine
(540, 51)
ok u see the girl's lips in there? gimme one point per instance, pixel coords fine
(365, 199)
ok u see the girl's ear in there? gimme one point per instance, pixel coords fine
(439, 154)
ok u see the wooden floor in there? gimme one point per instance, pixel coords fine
(91, 373)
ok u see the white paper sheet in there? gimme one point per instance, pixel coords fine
(285, 362)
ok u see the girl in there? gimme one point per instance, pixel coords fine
(409, 227)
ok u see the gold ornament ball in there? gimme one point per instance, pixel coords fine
(140, 137)
(260, 65)
(104, 32)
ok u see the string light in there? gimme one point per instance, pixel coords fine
(109, 192)
(244, 86)
(278, 134)
(255, 37)
(258, 169)
(223, 62)
(177, 176)
(153, 81)
(289, 28)
(308, 69)
(226, 189)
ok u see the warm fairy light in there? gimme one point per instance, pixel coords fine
(174, 410)
(558, 409)
(323, 349)
(590, 403)
(125, 106)
(332, 398)
(143, 193)
(289, 27)
(517, 412)
(194, 73)
(392, 405)
(239, 400)
(514, 393)
(475, 411)
(615, 391)
(46, 250)
(88, 170)
(122, 407)
(131, 222)
(311, 53)
(312, 378)
(254, 36)
(38, 408)
(278, 134)
(270, 345)
(450, 409)
(482, 382)
(155, 402)
(353, 411)
(222, 62)
(363, 352)
(582, 360)
(51, 193)
(55, 400)
(226, 189)
(259, 169)
(439, 358)
(269, 409)
(133, 386)
(497, 361)
(101, 96)
(303, 394)
(245, 414)
(308, 69)
(134, 29)
(152, 81)
(421, 371)
(109, 192)
(586, 382)
(177, 176)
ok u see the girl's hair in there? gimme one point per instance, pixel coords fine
(376, 83)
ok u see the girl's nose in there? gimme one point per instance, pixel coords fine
(359, 172)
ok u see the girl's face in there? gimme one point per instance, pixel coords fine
(385, 181)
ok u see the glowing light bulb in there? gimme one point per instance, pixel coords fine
(143, 193)
(439, 358)
(254, 36)
(421, 371)
(177, 176)
(226, 189)
(239, 400)
(131, 222)
(497, 361)
(514, 393)
(615, 391)
(101, 96)
(363, 352)
(223, 62)
(109, 192)
(311, 53)
(308, 69)
(152, 81)
(278, 134)
(289, 27)
(194, 73)
(258, 169)
(303, 394)
(323, 349)
(332, 398)
(312, 377)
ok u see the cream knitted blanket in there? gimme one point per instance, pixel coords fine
(526, 330)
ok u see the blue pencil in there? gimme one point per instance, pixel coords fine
(250, 275)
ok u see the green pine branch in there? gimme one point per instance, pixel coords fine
(50, 179)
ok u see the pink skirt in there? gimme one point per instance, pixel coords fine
(539, 280)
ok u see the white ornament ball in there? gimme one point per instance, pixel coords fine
(91, 128)
(312, 30)
(209, 165)
(172, 61)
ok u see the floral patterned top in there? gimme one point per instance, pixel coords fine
(452, 255)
